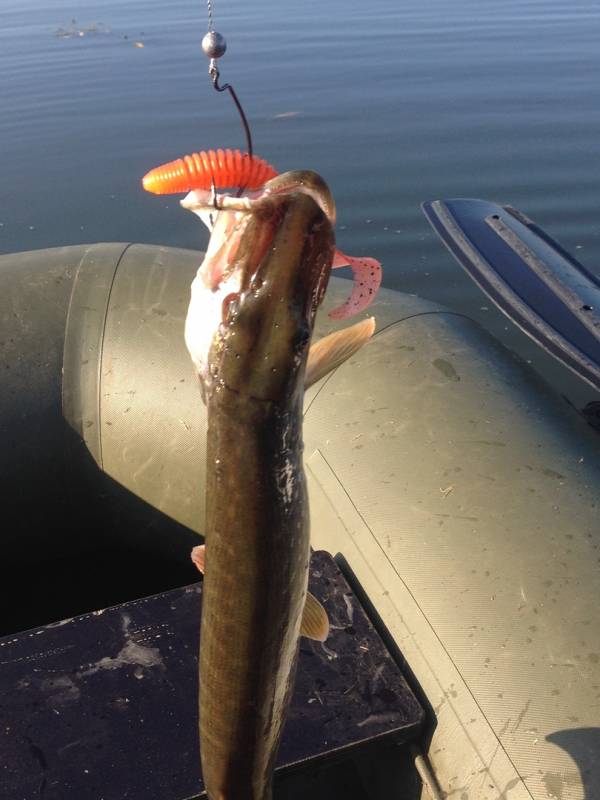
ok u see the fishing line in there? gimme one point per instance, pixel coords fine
(214, 45)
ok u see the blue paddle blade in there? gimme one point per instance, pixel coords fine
(545, 291)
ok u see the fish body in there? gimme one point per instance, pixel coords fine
(248, 331)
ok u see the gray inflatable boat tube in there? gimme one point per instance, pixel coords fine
(459, 490)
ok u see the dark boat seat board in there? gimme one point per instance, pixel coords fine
(104, 705)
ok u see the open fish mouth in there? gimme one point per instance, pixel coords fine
(262, 279)
(243, 228)
(221, 169)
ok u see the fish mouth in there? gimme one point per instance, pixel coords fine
(228, 216)
(263, 277)
(228, 168)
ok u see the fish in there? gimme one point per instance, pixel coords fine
(248, 331)
(231, 168)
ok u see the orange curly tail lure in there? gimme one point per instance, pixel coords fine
(231, 168)
(227, 168)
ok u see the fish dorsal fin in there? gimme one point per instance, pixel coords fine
(331, 351)
(315, 624)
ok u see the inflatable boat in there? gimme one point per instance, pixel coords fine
(458, 492)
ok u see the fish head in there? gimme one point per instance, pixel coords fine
(257, 291)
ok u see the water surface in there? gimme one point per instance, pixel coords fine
(393, 102)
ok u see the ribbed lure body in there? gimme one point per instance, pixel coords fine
(224, 168)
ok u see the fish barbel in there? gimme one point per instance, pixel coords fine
(248, 331)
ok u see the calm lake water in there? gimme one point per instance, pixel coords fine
(393, 101)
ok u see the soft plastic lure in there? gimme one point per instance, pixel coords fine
(231, 168)
(224, 168)
(366, 274)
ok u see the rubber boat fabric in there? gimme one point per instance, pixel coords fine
(460, 489)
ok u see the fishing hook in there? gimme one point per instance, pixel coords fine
(213, 199)
(214, 45)
(227, 87)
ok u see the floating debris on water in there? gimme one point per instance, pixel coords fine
(75, 30)
(287, 114)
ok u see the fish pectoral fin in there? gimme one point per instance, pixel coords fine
(332, 350)
(315, 623)
(198, 556)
